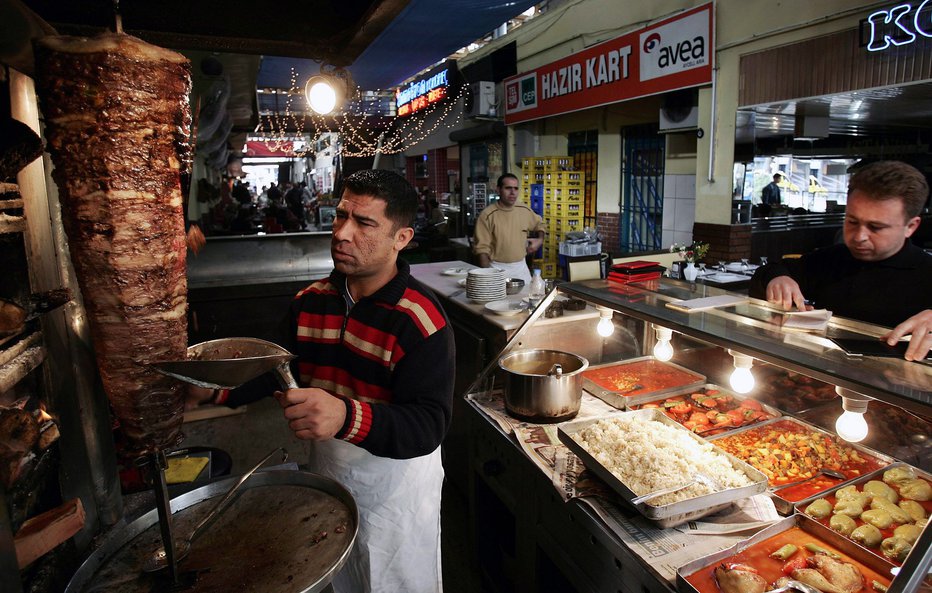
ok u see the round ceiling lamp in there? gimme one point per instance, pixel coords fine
(321, 94)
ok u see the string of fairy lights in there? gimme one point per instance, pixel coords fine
(278, 129)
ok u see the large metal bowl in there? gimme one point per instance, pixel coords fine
(513, 285)
(543, 385)
(278, 535)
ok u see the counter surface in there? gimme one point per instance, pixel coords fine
(448, 289)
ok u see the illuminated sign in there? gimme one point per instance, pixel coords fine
(674, 53)
(419, 94)
(897, 26)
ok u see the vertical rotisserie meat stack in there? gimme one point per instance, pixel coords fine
(118, 123)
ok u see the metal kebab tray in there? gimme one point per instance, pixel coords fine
(622, 399)
(288, 531)
(813, 532)
(783, 505)
(227, 363)
(676, 513)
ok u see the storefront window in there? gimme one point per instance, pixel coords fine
(813, 185)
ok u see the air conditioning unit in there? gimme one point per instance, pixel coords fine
(679, 112)
(480, 100)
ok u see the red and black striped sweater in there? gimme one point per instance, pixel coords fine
(390, 356)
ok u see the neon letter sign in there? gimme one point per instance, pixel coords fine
(893, 27)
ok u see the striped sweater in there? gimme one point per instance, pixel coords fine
(390, 357)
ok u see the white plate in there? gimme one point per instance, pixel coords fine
(507, 307)
(455, 271)
(738, 267)
(725, 278)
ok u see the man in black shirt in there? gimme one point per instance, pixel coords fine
(877, 275)
(770, 195)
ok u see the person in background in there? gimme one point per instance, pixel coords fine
(877, 275)
(507, 232)
(375, 362)
(770, 195)
(274, 194)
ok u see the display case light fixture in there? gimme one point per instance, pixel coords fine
(663, 350)
(851, 425)
(742, 380)
(605, 326)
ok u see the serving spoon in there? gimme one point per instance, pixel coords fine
(826, 471)
(791, 585)
(696, 478)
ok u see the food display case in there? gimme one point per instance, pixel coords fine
(537, 529)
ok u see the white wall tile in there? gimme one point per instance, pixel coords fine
(669, 210)
(686, 186)
(667, 238)
(682, 238)
(685, 215)
(669, 186)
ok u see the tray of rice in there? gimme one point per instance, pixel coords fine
(795, 548)
(643, 451)
(617, 383)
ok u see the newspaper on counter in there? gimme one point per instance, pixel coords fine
(665, 550)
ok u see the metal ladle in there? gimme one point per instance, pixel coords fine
(828, 472)
(159, 559)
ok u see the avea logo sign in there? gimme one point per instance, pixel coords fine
(897, 26)
(675, 47)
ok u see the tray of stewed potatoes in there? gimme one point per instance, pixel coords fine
(792, 453)
(883, 512)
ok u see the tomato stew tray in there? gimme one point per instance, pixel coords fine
(809, 538)
(708, 410)
(617, 382)
(894, 476)
(677, 513)
(788, 450)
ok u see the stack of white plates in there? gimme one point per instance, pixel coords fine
(485, 284)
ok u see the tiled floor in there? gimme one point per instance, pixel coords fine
(250, 435)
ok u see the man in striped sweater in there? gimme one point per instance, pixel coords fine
(375, 361)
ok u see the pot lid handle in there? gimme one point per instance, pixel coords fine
(556, 369)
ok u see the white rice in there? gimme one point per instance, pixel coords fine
(647, 455)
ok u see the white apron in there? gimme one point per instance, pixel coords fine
(517, 269)
(397, 547)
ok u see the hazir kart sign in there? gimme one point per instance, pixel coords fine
(672, 54)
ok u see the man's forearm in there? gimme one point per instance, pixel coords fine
(485, 260)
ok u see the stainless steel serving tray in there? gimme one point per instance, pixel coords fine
(800, 507)
(807, 524)
(618, 399)
(676, 513)
(640, 400)
(783, 506)
(114, 567)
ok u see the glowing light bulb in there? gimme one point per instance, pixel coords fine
(605, 327)
(663, 349)
(851, 426)
(321, 96)
(742, 381)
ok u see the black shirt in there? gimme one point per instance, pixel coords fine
(885, 292)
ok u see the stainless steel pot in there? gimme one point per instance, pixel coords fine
(543, 385)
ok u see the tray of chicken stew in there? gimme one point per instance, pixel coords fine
(708, 410)
(884, 512)
(618, 382)
(796, 549)
(800, 461)
(643, 451)
(791, 391)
